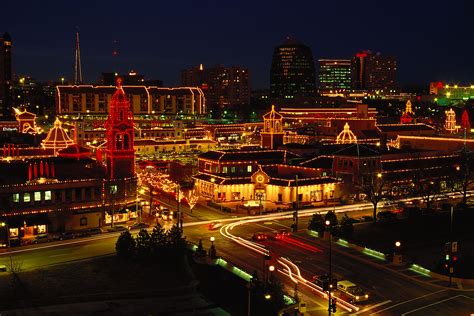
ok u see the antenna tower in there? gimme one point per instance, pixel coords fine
(77, 66)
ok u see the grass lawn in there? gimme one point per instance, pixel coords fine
(100, 278)
(422, 238)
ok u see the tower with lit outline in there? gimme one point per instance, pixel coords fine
(120, 155)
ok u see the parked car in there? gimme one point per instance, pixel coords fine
(352, 292)
(138, 226)
(41, 238)
(67, 235)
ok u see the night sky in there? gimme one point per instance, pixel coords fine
(433, 40)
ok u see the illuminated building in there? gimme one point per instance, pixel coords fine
(292, 73)
(152, 147)
(451, 94)
(446, 144)
(334, 76)
(59, 187)
(262, 175)
(57, 138)
(346, 136)
(392, 131)
(374, 72)
(94, 100)
(407, 116)
(272, 133)
(26, 121)
(5, 75)
(450, 122)
(224, 87)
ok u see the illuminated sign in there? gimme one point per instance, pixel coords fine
(10, 129)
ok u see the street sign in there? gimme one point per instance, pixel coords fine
(454, 246)
(451, 270)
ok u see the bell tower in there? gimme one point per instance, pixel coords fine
(120, 154)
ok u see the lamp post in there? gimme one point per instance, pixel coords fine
(271, 268)
(328, 227)
(212, 250)
(397, 256)
(180, 222)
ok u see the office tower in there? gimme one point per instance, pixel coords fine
(334, 76)
(5, 75)
(292, 73)
(374, 71)
(224, 87)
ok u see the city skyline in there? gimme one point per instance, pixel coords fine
(159, 45)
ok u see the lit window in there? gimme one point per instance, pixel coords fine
(37, 196)
(16, 197)
(47, 195)
(232, 169)
(224, 169)
(113, 189)
(26, 197)
(249, 168)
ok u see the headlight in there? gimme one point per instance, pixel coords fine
(357, 298)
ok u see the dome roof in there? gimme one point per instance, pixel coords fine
(74, 151)
(57, 138)
(272, 115)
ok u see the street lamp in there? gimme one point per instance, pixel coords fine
(328, 229)
(397, 256)
(212, 250)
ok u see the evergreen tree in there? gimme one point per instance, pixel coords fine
(347, 227)
(143, 243)
(175, 237)
(125, 245)
(158, 239)
(317, 223)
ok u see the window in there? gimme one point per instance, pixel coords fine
(16, 197)
(249, 168)
(280, 197)
(324, 174)
(37, 196)
(113, 189)
(224, 169)
(232, 170)
(83, 221)
(26, 197)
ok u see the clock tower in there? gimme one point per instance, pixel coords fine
(120, 154)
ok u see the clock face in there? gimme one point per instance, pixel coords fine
(260, 178)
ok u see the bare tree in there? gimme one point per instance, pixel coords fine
(14, 266)
(463, 176)
(425, 183)
(373, 186)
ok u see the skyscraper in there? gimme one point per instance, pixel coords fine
(224, 87)
(5, 74)
(292, 73)
(374, 71)
(334, 75)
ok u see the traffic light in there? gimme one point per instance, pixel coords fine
(325, 285)
(334, 305)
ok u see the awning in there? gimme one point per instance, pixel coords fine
(15, 221)
(39, 219)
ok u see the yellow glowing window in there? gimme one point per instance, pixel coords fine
(16, 197)
(249, 168)
(26, 197)
(37, 196)
(47, 195)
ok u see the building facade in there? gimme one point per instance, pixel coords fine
(224, 87)
(144, 100)
(292, 72)
(335, 76)
(374, 72)
(5, 75)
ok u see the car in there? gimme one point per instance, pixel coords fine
(3, 268)
(282, 233)
(259, 236)
(214, 225)
(67, 235)
(352, 292)
(41, 238)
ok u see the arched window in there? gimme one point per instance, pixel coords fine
(118, 142)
